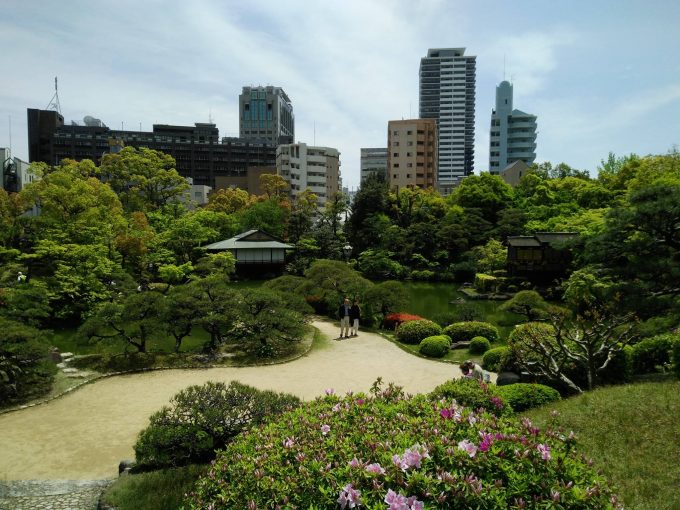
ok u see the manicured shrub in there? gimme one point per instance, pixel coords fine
(393, 320)
(435, 346)
(493, 358)
(479, 345)
(521, 396)
(471, 393)
(653, 352)
(485, 282)
(362, 452)
(423, 275)
(413, 332)
(202, 419)
(466, 331)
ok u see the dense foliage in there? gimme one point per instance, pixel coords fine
(413, 332)
(479, 345)
(435, 346)
(411, 453)
(653, 352)
(466, 331)
(203, 419)
(493, 359)
(522, 396)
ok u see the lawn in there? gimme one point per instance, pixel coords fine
(632, 433)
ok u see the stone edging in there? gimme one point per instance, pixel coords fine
(142, 370)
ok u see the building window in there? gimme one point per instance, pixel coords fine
(395, 132)
(396, 144)
(395, 154)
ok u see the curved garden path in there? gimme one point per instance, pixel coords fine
(83, 435)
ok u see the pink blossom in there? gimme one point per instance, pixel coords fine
(289, 442)
(336, 408)
(330, 391)
(544, 450)
(354, 463)
(411, 457)
(325, 429)
(447, 414)
(360, 401)
(376, 469)
(349, 497)
(471, 419)
(400, 502)
(468, 447)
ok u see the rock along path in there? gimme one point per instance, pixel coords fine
(83, 435)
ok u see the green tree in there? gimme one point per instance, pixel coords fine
(143, 178)
(488, 193)
(230, 200)
(332, 281)
(270, 215)
(385, 298)
(490, 257)
(303, 210)
(528, 303)
(178, 312)
(369, 214)
(378, 264)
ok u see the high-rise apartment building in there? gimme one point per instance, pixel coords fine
(447, 94)
(14, 172)
(304, 166)
(373, 162)
(412, 153)
(513, 132)
(266, 113)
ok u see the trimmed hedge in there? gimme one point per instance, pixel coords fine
(466, 331)
(435, 346)
(495, 358)
(413, 332)
(652, 352)
(203, 419)
(479, 345)
(522, 396)
(473, 394)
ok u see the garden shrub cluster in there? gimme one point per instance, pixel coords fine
(202, 419)
(652, 352)
(400, 453)
(473, 394)
(494, 359)
(521, 396)
(479, 345)
(394, 320)
(466, 331)
(435, 346)
(413, 332)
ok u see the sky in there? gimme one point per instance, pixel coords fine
(600, 75)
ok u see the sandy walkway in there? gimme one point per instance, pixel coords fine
(84, 435)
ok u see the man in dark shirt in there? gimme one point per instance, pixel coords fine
(344, 313)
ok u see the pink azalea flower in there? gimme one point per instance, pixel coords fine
(468, 447)
(336, 408)
(376, 469)
(325, 429)
(400, 502)
(288, 443)
(330, 391)
(447, 414)
(354, 463)
(349, 497)
(544, 450)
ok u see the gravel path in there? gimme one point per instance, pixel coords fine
(85, 434)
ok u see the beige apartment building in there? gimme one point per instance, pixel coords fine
(316, 168)
(412, 153)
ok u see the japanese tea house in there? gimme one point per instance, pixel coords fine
(255, 251)
(544, 255)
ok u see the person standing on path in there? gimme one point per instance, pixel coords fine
(344, 315)
(354, 316)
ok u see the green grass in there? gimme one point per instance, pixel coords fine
(632, 433)
(157, 490)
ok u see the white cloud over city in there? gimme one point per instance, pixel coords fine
(348, 66)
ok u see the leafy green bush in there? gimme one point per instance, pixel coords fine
(413, 332)
(521, 396)
(479, 345)
(202, 419)
(435, 346)
(423, 275)
(471, 393)
(653, 352)
(675, 357)
(494, 358)
(485, 282)
(25, 370)
(466, 331)
(363, 452)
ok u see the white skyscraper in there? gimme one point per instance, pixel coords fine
(447, 93)
(513, 132)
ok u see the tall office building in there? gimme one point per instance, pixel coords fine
(447, 93)
(412, 153)
(304, 166)
(513, 132)
(373, 162)
(266, 113)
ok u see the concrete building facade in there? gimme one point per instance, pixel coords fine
(304, 166)
(266, 113)
(249, 182)
(513, 132)
(412, 153)
(373, 162)
(447, 94)
(198, 151)
(14, 172)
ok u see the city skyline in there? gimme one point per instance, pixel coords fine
(597, 82)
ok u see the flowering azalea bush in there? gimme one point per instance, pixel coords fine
(398, 453)
(393, 320)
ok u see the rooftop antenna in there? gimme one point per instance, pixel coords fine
(10, 135)
(54, 102)
(210, 118)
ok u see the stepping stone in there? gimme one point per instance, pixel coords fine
(70, 370)
(61, 365)
(66, 355)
